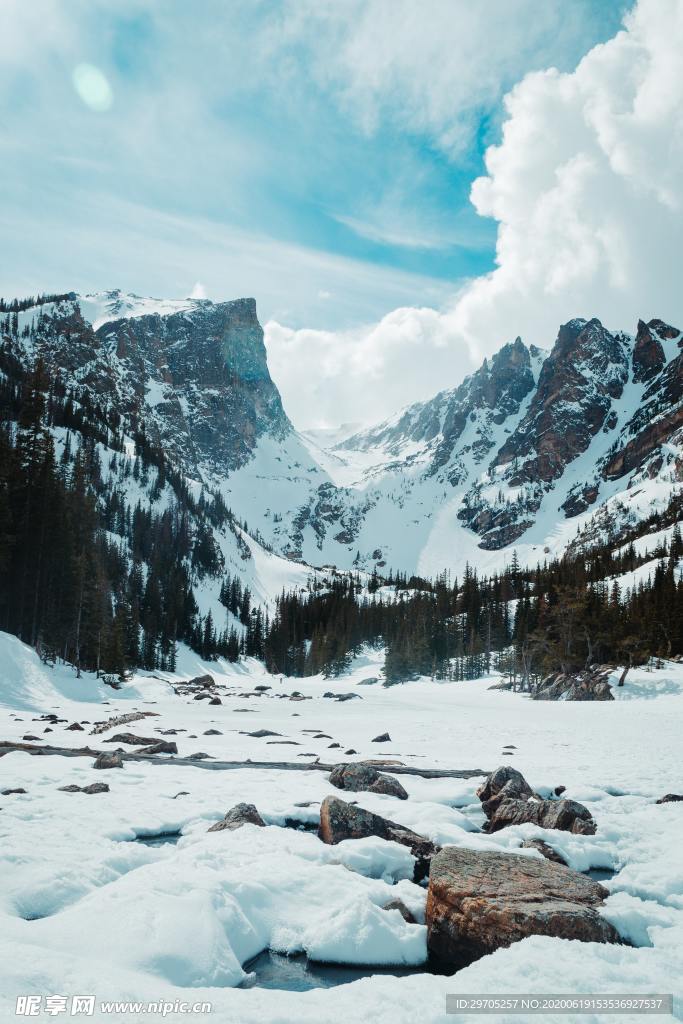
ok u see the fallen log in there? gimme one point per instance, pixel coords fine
(7, 747)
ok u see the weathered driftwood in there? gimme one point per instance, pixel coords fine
(7, 747)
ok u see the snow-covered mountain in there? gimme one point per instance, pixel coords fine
(534, 450)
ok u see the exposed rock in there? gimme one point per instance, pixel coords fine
(215, 700)
(340, 820)
(240, 814)
(354, 777)
(202, 696)
(359, 777)
(589, 685)
(544, 849)
(566, 815)
(350, 751)
(383, 737)
(402, 909)
(131, 739)
(94, 787)
(11, 792)
(213, 732)
(480, 901)
(341, 697)
(504, 783)
(263, 688)
(670, 798)
(183, 792)
(332, 746)
(559, 790)
(648, 352)
(369, 681)
(260, 733)
(29, 736)
(507, 799)
(199, 756)
(159, 747)
(108, 760)
(74, 727)
(203, 681)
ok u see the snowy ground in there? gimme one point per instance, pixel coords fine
(84, 909)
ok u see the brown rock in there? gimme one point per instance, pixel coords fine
(480, 901)
(240, 814)
(108, 760)
(339, 821)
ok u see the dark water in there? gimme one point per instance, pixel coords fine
(600, 874)
(161, 839)
(299, 974)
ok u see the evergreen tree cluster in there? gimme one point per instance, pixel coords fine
(563, 615)
(85, 574)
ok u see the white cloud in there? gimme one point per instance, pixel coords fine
(587, 189)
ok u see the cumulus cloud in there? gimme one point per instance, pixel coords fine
(587, 188)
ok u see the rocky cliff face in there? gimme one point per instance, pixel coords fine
(195, 377)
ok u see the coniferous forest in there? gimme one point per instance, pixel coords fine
(108, 586)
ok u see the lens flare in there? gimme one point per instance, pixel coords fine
(92, 87)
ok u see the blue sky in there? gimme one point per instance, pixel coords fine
(318, 156)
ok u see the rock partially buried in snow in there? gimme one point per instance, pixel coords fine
(383, 737)
(508, 799)
(240, 814)
(402, 909)
(340, 820)
(132, 740)
(504, 783)
(544, 849)
(362, 777)
(94, 787)
(202, 681)
(670, 798)
(159, 747)
(108, 760)
(480, 901)
(566, 815)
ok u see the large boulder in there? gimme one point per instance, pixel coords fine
(340, 820)
(670, 798)
(363, 777)
(508, 799)
(240, 814)
(504, 783)
(480, 901)
(566, 815)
